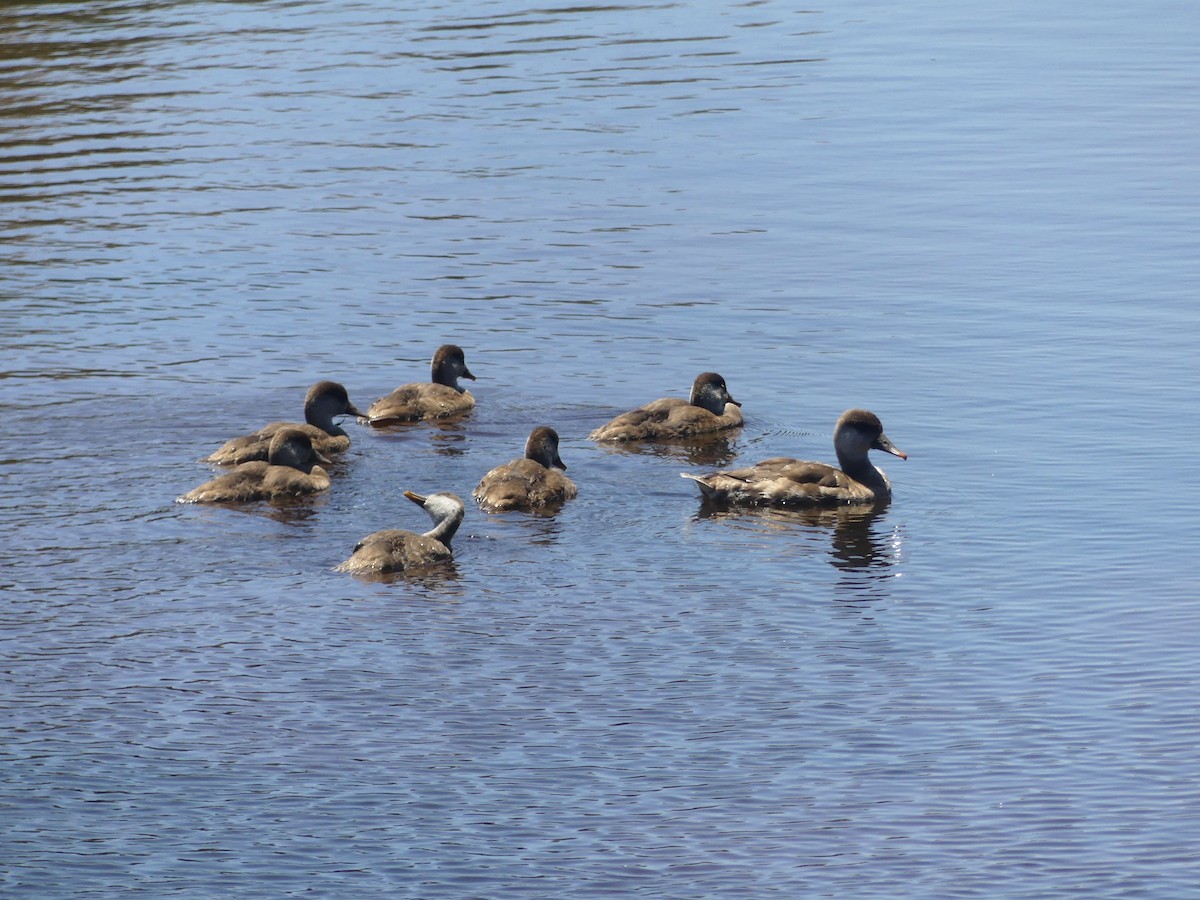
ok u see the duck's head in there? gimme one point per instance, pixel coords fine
(859, 430)
(324, 401)
(445, 509)
(542, 447)
(450, 364)
(292, 447)
(709, 391)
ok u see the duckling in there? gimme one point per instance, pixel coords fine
(783, 481)
(710, 409)
(324, 400)
(395, 550)
(290, 470)
(529, 483)
(435, 400)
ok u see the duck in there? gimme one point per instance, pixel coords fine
(396, 550)
(324, 401)
(437, 399)
(710, 409)
(290, 470)
(783, 481)
(530, 483)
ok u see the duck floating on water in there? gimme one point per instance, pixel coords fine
(437, 399)
(530, 483)
(783, 481)
(324, 401)
(396, 550)
(290, 470)
(710, 409)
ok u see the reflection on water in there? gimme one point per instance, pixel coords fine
(434, 578)
(448, 436)
(857, 539)
(544, 511)
(704, 450)
(518, 537)
(300, 510)
(859, 542)
(449, 440)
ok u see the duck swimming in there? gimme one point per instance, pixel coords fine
(290, 470)
(710, 409)
(396, 550)
(324, 401)
(529, 483)
(439, 398)
(783, 481)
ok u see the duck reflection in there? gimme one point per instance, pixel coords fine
(448, 436)
(433, 577)
(292, 510)
(541, 527)
(296, 511)
(857, 543)
(718, 449)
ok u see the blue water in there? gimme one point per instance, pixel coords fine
(979, 221)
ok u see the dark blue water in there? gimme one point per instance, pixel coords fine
(979, 222)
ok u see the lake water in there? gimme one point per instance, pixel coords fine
(979, 220)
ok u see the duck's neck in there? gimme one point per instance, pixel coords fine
(859, 467)
(292, 460)
(319, 417)
(444, 374)
(445, 529)
(708, 400)
(543, 456)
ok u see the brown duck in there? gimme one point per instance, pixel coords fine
(395, 550)
(710, 409)
(530, 483)
(290, 470)
(324, 401)
(442, 396)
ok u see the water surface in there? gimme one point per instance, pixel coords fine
(978, 222)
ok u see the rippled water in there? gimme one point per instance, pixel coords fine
(980, 222)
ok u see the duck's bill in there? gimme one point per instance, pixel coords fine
(888, 447)
(415, 498)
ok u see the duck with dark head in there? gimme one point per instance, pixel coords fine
(530, 483)
(325, 401)
(291, 470)
(438, 398)
(783, 481)
(710, 409)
